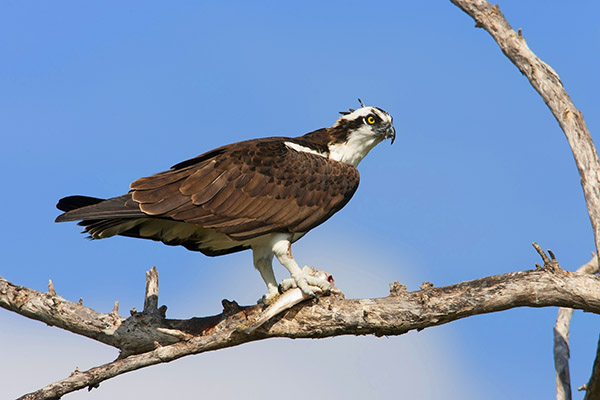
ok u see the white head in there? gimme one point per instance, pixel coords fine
(356, 132)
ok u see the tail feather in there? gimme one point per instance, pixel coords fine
(67, 204)
(91, 208)
(122, 216)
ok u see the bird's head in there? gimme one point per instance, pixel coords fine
(356, 132)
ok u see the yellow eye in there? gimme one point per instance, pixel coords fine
(370, 120)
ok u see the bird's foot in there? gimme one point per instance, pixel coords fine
(310, 281)
(319, 282)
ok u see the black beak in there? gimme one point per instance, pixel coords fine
(390, 133)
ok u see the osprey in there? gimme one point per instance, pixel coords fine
(261, 194)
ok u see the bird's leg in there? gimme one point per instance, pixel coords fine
(263, 262)
(300, 278)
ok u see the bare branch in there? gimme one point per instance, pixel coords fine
(109, 328)
(148, 339)
(561, 340)
(592, 388)
(547, 83)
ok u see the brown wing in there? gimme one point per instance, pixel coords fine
(250, 188)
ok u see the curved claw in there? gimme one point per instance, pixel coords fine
(306, 281)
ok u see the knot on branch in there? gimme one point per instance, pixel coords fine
(550, 263)
(424, 294)
(230, 307)
(397, 289)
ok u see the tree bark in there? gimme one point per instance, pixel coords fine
(549, 86)
(146, 338)
(561, 340)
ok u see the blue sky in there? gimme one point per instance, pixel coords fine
(95, 95)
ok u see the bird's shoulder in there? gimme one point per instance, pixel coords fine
(282, 158)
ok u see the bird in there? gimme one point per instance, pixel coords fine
(261, 194)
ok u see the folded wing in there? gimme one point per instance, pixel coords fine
(242, 191)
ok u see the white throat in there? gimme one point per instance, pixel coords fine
(353, 150)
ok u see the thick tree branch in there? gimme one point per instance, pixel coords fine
(149, 339)
(547, 83)
(133, 334)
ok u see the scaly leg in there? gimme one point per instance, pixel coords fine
(263, 262)
(282, 248)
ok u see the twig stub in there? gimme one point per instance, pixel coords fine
(151, 296)
(51, 290)
(550, 263)
(541, 253)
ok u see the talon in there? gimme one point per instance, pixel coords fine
(307, 282)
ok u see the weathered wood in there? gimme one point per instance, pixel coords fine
(592, 388)
(549, 86)
(147, 339)
(151, 296)
(561, 340)
(547, 83)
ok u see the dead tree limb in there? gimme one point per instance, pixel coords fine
(147, 339)
(592, 388)
(549, 86)
(561, 340)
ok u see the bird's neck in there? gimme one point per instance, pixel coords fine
(336, 144)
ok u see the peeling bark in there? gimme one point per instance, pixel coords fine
(147, 338)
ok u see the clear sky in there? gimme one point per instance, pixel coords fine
(96, 95)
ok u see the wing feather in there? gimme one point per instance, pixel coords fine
(159, 180)
(210, 191)
(227, 207)
(156, 195)
(249, 189)
(200, 179)
(164, 206)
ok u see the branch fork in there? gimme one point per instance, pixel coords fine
(148, 338)
(550, 263)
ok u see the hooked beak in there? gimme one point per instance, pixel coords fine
(390, 133)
